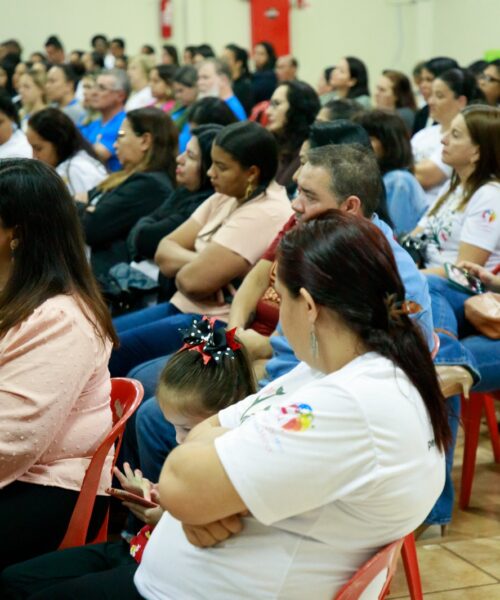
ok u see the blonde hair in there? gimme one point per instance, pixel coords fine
(145, 61)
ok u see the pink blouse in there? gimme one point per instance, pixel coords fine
(54, 397)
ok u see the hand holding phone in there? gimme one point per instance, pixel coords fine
(125, 496)
(464, 280)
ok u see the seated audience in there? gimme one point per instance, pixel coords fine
(57, 142)
(193, 387)
(32, 92)
(334, 277)
(263, 78)
(185, 93)
(451, 92)
(93, 62)
(406, 200)
(193, 188)
(138, 71)
(286, 68)
(293, 108)
(89, 97)
(110, 94)
(60, 91)
(161, 82)
(146, 147)
(215, 247)
(117, 52)
(169, 55)
(202, 52)
(349, 79)
(429, 71)
(13, 142)
(214, 79)
(324, 88)
(54, 51)
(237, 60)
(394, 93)
(339, 109)
(489, 82)
(188, 55)
(55, 340)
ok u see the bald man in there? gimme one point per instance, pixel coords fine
(286, 68)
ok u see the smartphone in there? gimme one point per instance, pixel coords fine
(463, 279)
(129, 497)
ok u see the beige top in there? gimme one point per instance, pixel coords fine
(54, 397)
(247, 230)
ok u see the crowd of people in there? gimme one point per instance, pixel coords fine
(300, 344)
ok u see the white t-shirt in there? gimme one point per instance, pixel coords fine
(17, 146)
(139, 99)
(332, 468)
(478, 224)
(426, 145)
(81, 172)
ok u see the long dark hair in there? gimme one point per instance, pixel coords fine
(462, 83)
(50, 256)
(56, 127)
(271, 56)
(358, 71)
(240, 55)
(401, 88)
(303, 107)
(205, 134)
(390, 130)
(347, 266)
(208, 387)
(163, 151)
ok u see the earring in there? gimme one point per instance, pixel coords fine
(250, 190)
(313, 342)
(13, 245)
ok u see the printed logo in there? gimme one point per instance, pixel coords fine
(301, 417)
(489, 215)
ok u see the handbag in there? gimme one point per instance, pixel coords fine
(483, 311)
(416, 246)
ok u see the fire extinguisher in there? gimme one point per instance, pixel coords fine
(166, 18)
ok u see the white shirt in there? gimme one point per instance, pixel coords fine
(17, 146)
(332, 468)
(139, 99)
(478, 224)
(426, 145)
(81, 172)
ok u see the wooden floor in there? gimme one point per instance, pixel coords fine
(465, 564)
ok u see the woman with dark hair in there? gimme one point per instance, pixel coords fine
(169, 55)
(452, 91)
(55, 340)
(56, 141)
(292, 110)
(263, 78)
(393, 92)
(406, 200)
(489, 82)
(349, 79)
(214, 248)
(193, 188)
(367, 408)
(161, 82)
(429, 71)
(146, 147)
(185, 93)
(237, 60)
(13, 142)
(324, 88)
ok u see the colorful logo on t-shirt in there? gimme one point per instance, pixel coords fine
(301, 417)
(489, 215)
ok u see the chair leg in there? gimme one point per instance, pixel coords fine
(491, 419)
(410, 563)
(471, 418)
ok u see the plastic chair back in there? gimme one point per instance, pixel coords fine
(126, 395)
(385, 559)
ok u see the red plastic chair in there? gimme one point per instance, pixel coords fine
(126, 395)
(387, 558)
(472, 411)
(258, 113)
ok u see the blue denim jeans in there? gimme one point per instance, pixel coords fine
(147, 334)
(464, 347)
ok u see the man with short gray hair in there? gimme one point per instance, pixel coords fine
(214, 79)
(112, 89)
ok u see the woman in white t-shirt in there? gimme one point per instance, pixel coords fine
(464, 225)
(451, 92)
(13, 142)
(57, 142)
(321, 465)
(138, 71)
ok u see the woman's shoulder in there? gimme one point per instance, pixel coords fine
(489, 193)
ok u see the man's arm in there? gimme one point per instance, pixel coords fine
(249, 293)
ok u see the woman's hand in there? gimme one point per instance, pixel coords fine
(150, 516)
(492, 282)
(134, 481)
(206, 536)
(256, 344)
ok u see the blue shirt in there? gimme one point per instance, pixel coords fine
(105, 134)
(284, 360)
(237, 108)
(406, 200)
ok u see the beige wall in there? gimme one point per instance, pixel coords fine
(385, 33)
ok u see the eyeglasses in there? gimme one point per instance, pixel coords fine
(489, 78)
(120, 133)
